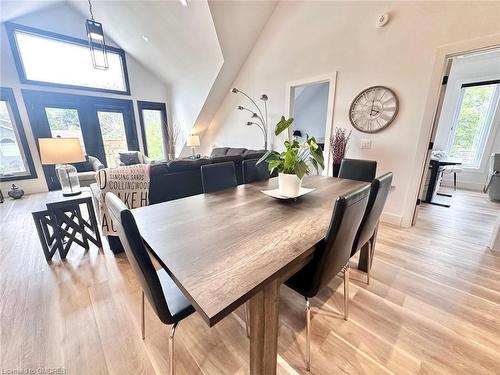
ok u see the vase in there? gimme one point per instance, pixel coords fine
(15, 192)
(289, 184)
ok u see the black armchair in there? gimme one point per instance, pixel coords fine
(218, 176)
(379, 190)
(332, 254)
(167, 301)
(356, 169)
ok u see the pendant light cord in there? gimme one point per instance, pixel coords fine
(90, 9)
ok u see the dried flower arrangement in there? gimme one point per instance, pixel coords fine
(338, 146)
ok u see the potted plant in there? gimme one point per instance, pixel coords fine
(292, 163)
(338, 148)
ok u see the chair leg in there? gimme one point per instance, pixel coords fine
(171, 349)
(247, 324)
(308, 334)
(454, 181)
(143, 319)
(346, 292)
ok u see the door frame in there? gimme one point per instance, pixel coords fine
(427, 130)
(331, 78)
(87, 106)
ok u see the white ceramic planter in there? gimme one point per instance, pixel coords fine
(289, 184)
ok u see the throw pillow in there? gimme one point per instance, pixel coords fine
(218, 151)
(130, 158)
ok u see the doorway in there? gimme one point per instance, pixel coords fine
(104, 126)
(310, 103)
(465, 134)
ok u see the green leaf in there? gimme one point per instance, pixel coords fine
(282, 125)
(269, 155)
(301, 169)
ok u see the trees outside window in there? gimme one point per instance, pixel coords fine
(473, 122)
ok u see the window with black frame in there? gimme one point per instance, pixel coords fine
(15, 158)
(153, 119)
(473, 120)
(48, 59)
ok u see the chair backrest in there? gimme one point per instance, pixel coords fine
(218, 176)
(254, 172)
(138, 256)
(356, 169)
(334, 251)
(379, 191)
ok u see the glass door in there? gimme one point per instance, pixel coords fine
(113, 135)
(104, 126)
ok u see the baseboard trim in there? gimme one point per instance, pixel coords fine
(390, 218)
(475, 186)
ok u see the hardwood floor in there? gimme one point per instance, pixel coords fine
(432, 307)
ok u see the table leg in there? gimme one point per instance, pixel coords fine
(264, 307)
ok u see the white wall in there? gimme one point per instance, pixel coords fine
(304, 39)
(310, 109)
(64, 19)
(467, 69)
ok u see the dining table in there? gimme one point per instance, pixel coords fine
(225, 248)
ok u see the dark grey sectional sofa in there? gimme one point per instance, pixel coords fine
(182, 177)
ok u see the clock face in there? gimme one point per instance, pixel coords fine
(374, 109)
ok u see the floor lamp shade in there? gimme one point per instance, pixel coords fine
(61, 152)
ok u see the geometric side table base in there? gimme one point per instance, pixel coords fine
(62, 224)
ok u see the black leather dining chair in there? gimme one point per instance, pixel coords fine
(167, 301)
(253, 172)
(331, 255)
(357, 169)
(218, 176)
(379, 190)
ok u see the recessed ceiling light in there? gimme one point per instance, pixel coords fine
(146, 39)
(184, 2)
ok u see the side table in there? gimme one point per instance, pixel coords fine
(61, 223)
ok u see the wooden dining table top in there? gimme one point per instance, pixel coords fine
(221, 248)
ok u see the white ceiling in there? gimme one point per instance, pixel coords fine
(10, 9)
(179, 37)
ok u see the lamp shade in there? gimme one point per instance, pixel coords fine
(60, 150)
(193, 140)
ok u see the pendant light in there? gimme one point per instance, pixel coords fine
(97, 44)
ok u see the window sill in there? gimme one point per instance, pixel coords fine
(17, 178)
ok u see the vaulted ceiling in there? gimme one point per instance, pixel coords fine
(196, 50)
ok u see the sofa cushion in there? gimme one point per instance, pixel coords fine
(130, 158)
(235, 151)
(159, 168)
(186, 164)
(219, 151)
(221, 159)
(253, 154)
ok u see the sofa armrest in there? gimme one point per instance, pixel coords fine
(95, 163)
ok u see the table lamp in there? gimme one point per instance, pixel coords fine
(61, 151)
(193, 141)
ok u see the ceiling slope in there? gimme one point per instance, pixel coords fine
(238, 25)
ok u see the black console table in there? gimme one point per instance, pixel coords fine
(436, 167)
(60, 223)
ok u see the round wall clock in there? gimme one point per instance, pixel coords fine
(374, 109)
